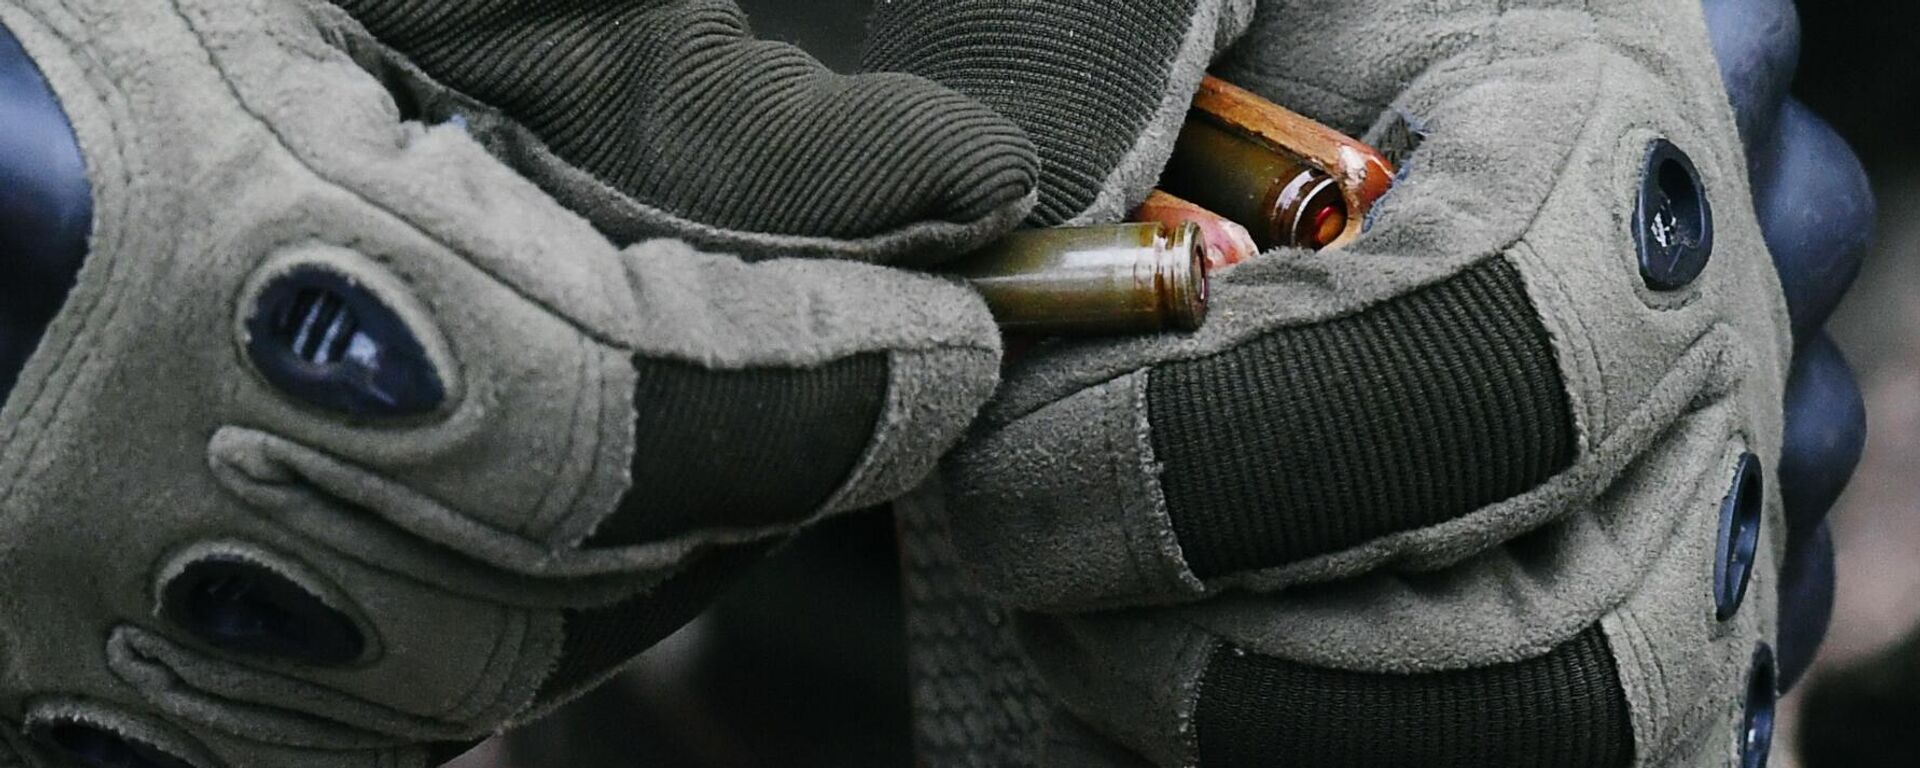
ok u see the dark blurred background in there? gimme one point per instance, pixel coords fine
(801, 666)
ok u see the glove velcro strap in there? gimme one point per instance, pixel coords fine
(743, 449)
(1565, 709)
(1316, 439)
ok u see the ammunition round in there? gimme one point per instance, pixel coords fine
(1280, 198)
(1123, 278)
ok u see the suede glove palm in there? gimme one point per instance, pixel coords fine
(349, 442)
(1492, 486)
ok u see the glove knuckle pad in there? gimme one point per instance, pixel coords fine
(342, 345)
(319, 338)
(238, 602)
(318, 652)
(1648, 669)
(1675, 258)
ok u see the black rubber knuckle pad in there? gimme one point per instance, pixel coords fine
(46, 208)
(1565, 709)
(674, 103)
(1763, 697)
(248, 609)
(600, 640)
(752, 448)
(1083, 77)
(321, 338)
(1313, 440)
(1741, 515)
(1673, 219)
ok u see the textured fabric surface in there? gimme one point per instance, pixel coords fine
(1017, 61)
(977, 699)
(1128, 545)
(742, 450)
(1400, 418)
(673, 104)
(237, 148)
(1561, 710)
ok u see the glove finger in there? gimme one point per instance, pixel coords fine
(1101, 85)
(1655, 676)
(1249, 459)
(1414, 398)
(667, 118)
(44, 211)
(1826, 432)
(1806, 604)
(1817, 210)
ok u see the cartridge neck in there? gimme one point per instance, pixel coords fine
(1182, 279)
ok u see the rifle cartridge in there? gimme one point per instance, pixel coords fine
(1289, 180)
(1118, 279)
(1227, 242)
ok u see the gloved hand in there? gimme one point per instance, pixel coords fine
(1499, 484)
(335, 439)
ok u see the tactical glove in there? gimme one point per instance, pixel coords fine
(1498, 484)
(337, 441)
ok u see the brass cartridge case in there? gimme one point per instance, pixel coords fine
(1289, 180)
(1227, 242)
(1280, 199)
(1118, 279)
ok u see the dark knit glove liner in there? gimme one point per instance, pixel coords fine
(667, 118)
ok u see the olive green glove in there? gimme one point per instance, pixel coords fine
(351, 445)
(1487, 487)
